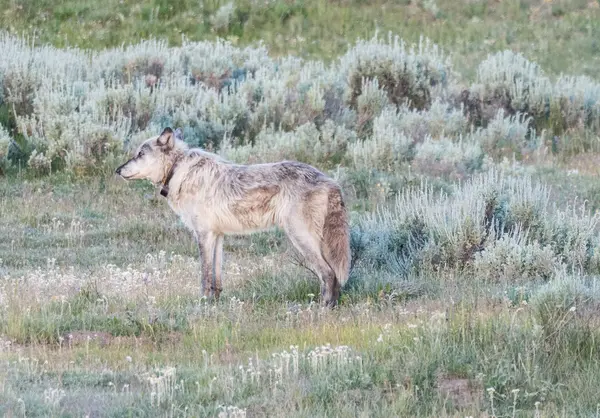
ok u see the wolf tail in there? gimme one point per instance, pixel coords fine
(336, 236)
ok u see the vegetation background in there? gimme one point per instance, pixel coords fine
(466, 137)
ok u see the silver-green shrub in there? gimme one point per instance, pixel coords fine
(405, 73)
(578, 99)
(514, 258)
(397, 133)
(490, 214)
(506, 134)
(439, 120)
(5, 142)
(323, 147)
(447, 159)
(566, 308)
(387, 148)
(77, 108)
(507, 72)
(221, 19)
(507, 80)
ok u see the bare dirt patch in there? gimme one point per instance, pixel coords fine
(78, 338)
(462, 393)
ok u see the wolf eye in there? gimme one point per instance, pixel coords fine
(140, 153)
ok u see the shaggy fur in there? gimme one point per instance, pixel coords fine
(215, 197)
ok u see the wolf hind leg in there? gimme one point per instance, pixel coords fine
(207, 245)
(309, 246)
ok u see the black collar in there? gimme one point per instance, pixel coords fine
(164, 190)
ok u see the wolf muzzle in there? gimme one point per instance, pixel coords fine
(120, 169)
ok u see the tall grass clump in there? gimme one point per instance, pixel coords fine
(566, 310)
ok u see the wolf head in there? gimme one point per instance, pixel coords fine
(153, 158)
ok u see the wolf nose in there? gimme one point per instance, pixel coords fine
(118, 171)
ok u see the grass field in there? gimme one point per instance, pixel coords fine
(471, 177)
(101, 317)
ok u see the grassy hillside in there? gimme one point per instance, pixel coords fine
(467, 145)
(561, 35)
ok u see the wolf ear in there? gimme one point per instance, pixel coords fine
(166, 138)
(179, 134)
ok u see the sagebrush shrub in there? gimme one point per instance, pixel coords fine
(565, 308)
(119, 92)
(572, 233)
(512, 72)
(323, 147)
(505, 135)
(77, 108)
(4, 143)
(513, 258)
(384, 242)
(489, 207)
(397, 133)
(221, 19)
(439, 120)
(369, 104)
(218, 64)
(39, 163)
(135, 104)
(148, 61)
(18, 90)
(386, 149)
(578, 101)
(447, 159)
(72, 127)
(404, 73)
(508, 81)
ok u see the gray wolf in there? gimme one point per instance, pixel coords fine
(215, 197)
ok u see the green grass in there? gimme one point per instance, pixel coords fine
(403, 361)
(85, 337)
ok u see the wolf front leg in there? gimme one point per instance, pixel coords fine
(218, 266)
(207, 242)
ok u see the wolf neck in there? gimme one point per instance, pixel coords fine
(164, 189)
